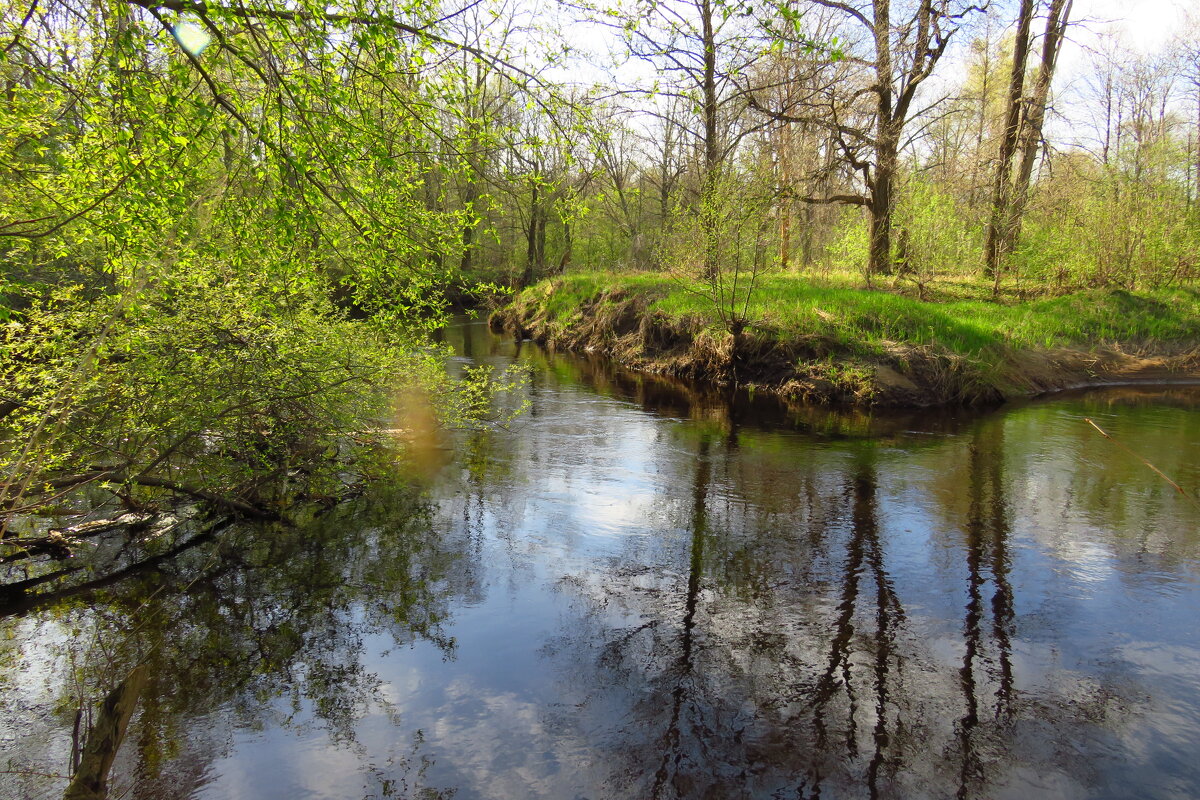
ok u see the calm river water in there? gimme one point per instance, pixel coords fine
(641, 590)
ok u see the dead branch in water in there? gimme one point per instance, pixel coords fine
(70, 483)
(1161, 474)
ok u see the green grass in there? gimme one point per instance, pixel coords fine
(862, 321)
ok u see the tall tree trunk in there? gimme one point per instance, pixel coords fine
(783, 150)
(1001, 186)
(540, 260)
(887, 147)
(1031, 133)
(470, 197)
(567, 246)
(712, 154)
(531, 234)
(785, 234)
(1108, 115)
(981, 120)
(1197, 197)
(471, 194)
(880, 255)
(807, 236)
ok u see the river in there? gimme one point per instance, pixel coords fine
(642, 589)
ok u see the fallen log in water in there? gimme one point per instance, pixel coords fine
(91, 778)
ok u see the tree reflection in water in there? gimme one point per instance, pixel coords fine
(986, 543)
(781, 661)
(257, 627)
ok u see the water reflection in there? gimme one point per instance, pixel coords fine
(647, 589)
(816, 681)
(254, 629)
(986, 545)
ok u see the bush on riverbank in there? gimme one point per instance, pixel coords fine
(823, 339)
(219, 386)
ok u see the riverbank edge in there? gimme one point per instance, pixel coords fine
(622, 324)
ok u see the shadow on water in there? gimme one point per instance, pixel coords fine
(649, 589)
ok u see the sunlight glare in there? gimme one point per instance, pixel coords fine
(191, 37)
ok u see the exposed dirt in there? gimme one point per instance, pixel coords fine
(812, 369)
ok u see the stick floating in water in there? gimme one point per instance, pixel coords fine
(1161, 474)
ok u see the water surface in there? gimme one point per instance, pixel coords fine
(641, 589)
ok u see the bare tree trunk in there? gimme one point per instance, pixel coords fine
(712, 156)
(785, 234)
(1031, 134)
(471, 196)
(565, 261)
(880, 255)
(1197, 186)
(879, 259)
(531, 234)
(540, 242)
(1108, 115)
(1001, 186)
(473, 86)
(807, 236)
(784, 148)
(973, 198)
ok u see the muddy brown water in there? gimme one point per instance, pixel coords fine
(642, 589)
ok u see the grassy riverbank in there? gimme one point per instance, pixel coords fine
(822, 339)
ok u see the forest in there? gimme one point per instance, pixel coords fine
(227, 229)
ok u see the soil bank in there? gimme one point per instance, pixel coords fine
(842, 354)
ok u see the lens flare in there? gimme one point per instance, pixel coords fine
(191, 37)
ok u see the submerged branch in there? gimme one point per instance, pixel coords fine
(229, 503)
(69, 483)
(58, 541)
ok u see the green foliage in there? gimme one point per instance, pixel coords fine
(186, 232)
(1126, 225)
(851, 241)
(217, 382)
(933, 239)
